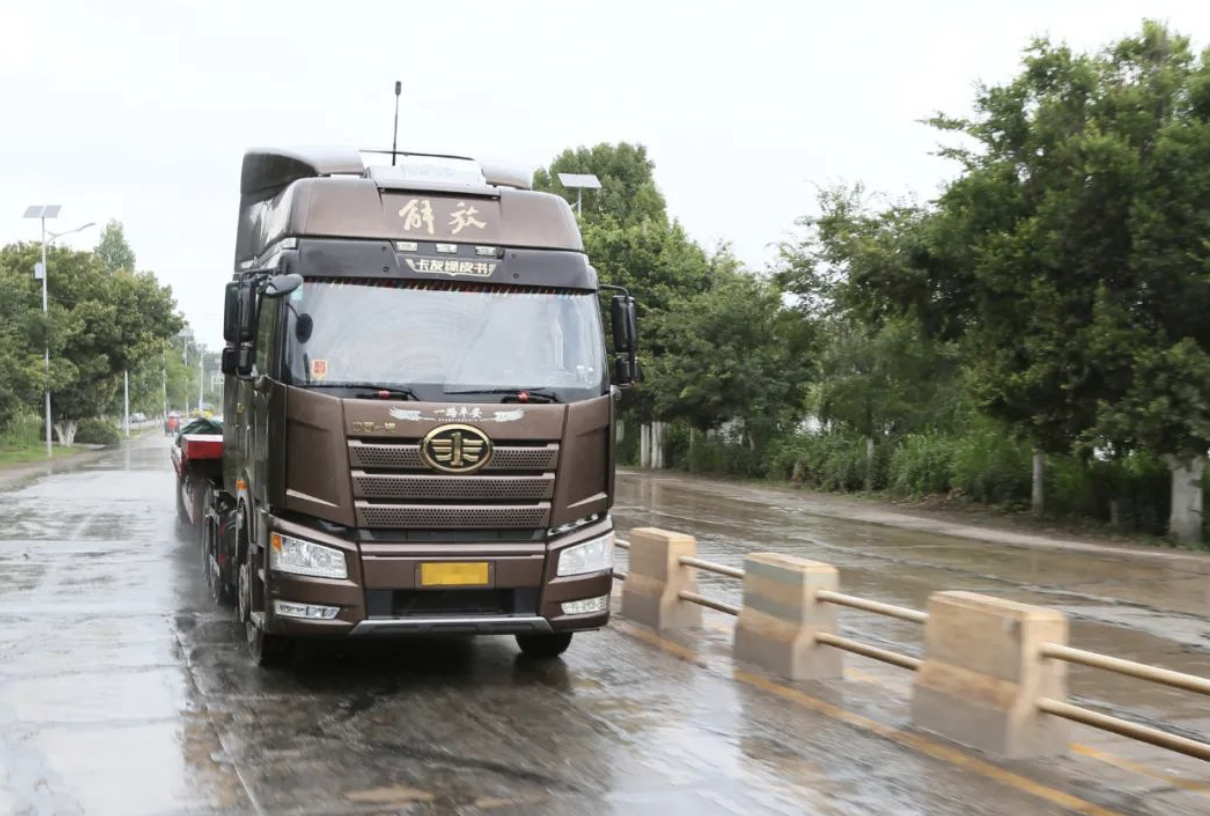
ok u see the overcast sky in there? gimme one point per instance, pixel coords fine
(141, 111)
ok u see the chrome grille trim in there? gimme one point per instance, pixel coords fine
(445, 516)
(427, 487)
(407, 456)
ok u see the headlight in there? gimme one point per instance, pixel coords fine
(595, 555)
(300, 557)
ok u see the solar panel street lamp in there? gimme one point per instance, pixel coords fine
(43, 212)
(579, 182)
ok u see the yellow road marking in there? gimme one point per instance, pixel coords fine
(1108, 757)
(1138, 767)
(936, 750)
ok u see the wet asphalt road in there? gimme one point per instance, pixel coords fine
(123, 690)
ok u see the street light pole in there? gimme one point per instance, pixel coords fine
(43, 212)
(46, 350)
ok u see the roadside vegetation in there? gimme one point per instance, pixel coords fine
(105, 319)
(1034, 337)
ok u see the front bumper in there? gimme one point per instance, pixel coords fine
(524, 571)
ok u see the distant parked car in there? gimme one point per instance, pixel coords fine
(138, 416)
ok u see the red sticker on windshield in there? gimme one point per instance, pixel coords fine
(319, 369)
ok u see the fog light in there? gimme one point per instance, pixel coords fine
(289, 609)
(587, 606)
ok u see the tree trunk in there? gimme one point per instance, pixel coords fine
(1037, 496)
(1115, 514)
(1185, 520)
(645, 445)
(869, 463)
(65, 430)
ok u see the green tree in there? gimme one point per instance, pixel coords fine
(1079, 223)
(22, 338)
(102, 323)
(628, 191)
(113, 250)
(856, 275)
(631, 242)
(731, 352)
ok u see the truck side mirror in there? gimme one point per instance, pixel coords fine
(282, 285)
(229, 360)
(623, 376)
(625, 329)
(231, 313)
(243, 361)
(247, 311)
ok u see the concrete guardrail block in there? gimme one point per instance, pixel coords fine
(983, 674)
(781, 616)
(655, 578)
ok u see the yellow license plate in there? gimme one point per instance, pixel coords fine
(445, 573)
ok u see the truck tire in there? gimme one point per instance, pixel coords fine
(268, 651)
(182, 515)
(551, 645)
(265, 649)
(220, 590)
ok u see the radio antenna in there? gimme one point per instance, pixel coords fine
(395, 139)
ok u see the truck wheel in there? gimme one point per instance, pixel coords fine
(268, 650)
(182, 515)
(544, 645)
(221, 591)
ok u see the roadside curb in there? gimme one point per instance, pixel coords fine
(17, 476)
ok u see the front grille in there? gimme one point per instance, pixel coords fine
(394, 490)
(450, 602)
(452, 515)
(484, 488)
(407, 457)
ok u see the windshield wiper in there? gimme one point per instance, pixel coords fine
(510, 394)
(374, 391)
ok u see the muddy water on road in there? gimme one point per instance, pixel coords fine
(123, 690)
(1156, 612)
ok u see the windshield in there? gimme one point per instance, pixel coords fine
(438, 339)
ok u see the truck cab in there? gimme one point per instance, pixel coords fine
(418, 406)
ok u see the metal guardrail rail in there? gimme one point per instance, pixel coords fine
(621, 544)
(710, 566)
(1052, 651)
(866, 650)
(1125, 728)
(1129, 668)
(1117, 725)
(838, 598)
(877, 607)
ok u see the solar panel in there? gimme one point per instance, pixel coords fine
(42, 211)
(586, 181)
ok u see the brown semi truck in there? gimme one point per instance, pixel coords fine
(418, 409)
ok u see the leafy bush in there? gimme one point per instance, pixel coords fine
(921, 464)
(23, 431)
(831, 461)
(991, 467)
(97, 432)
